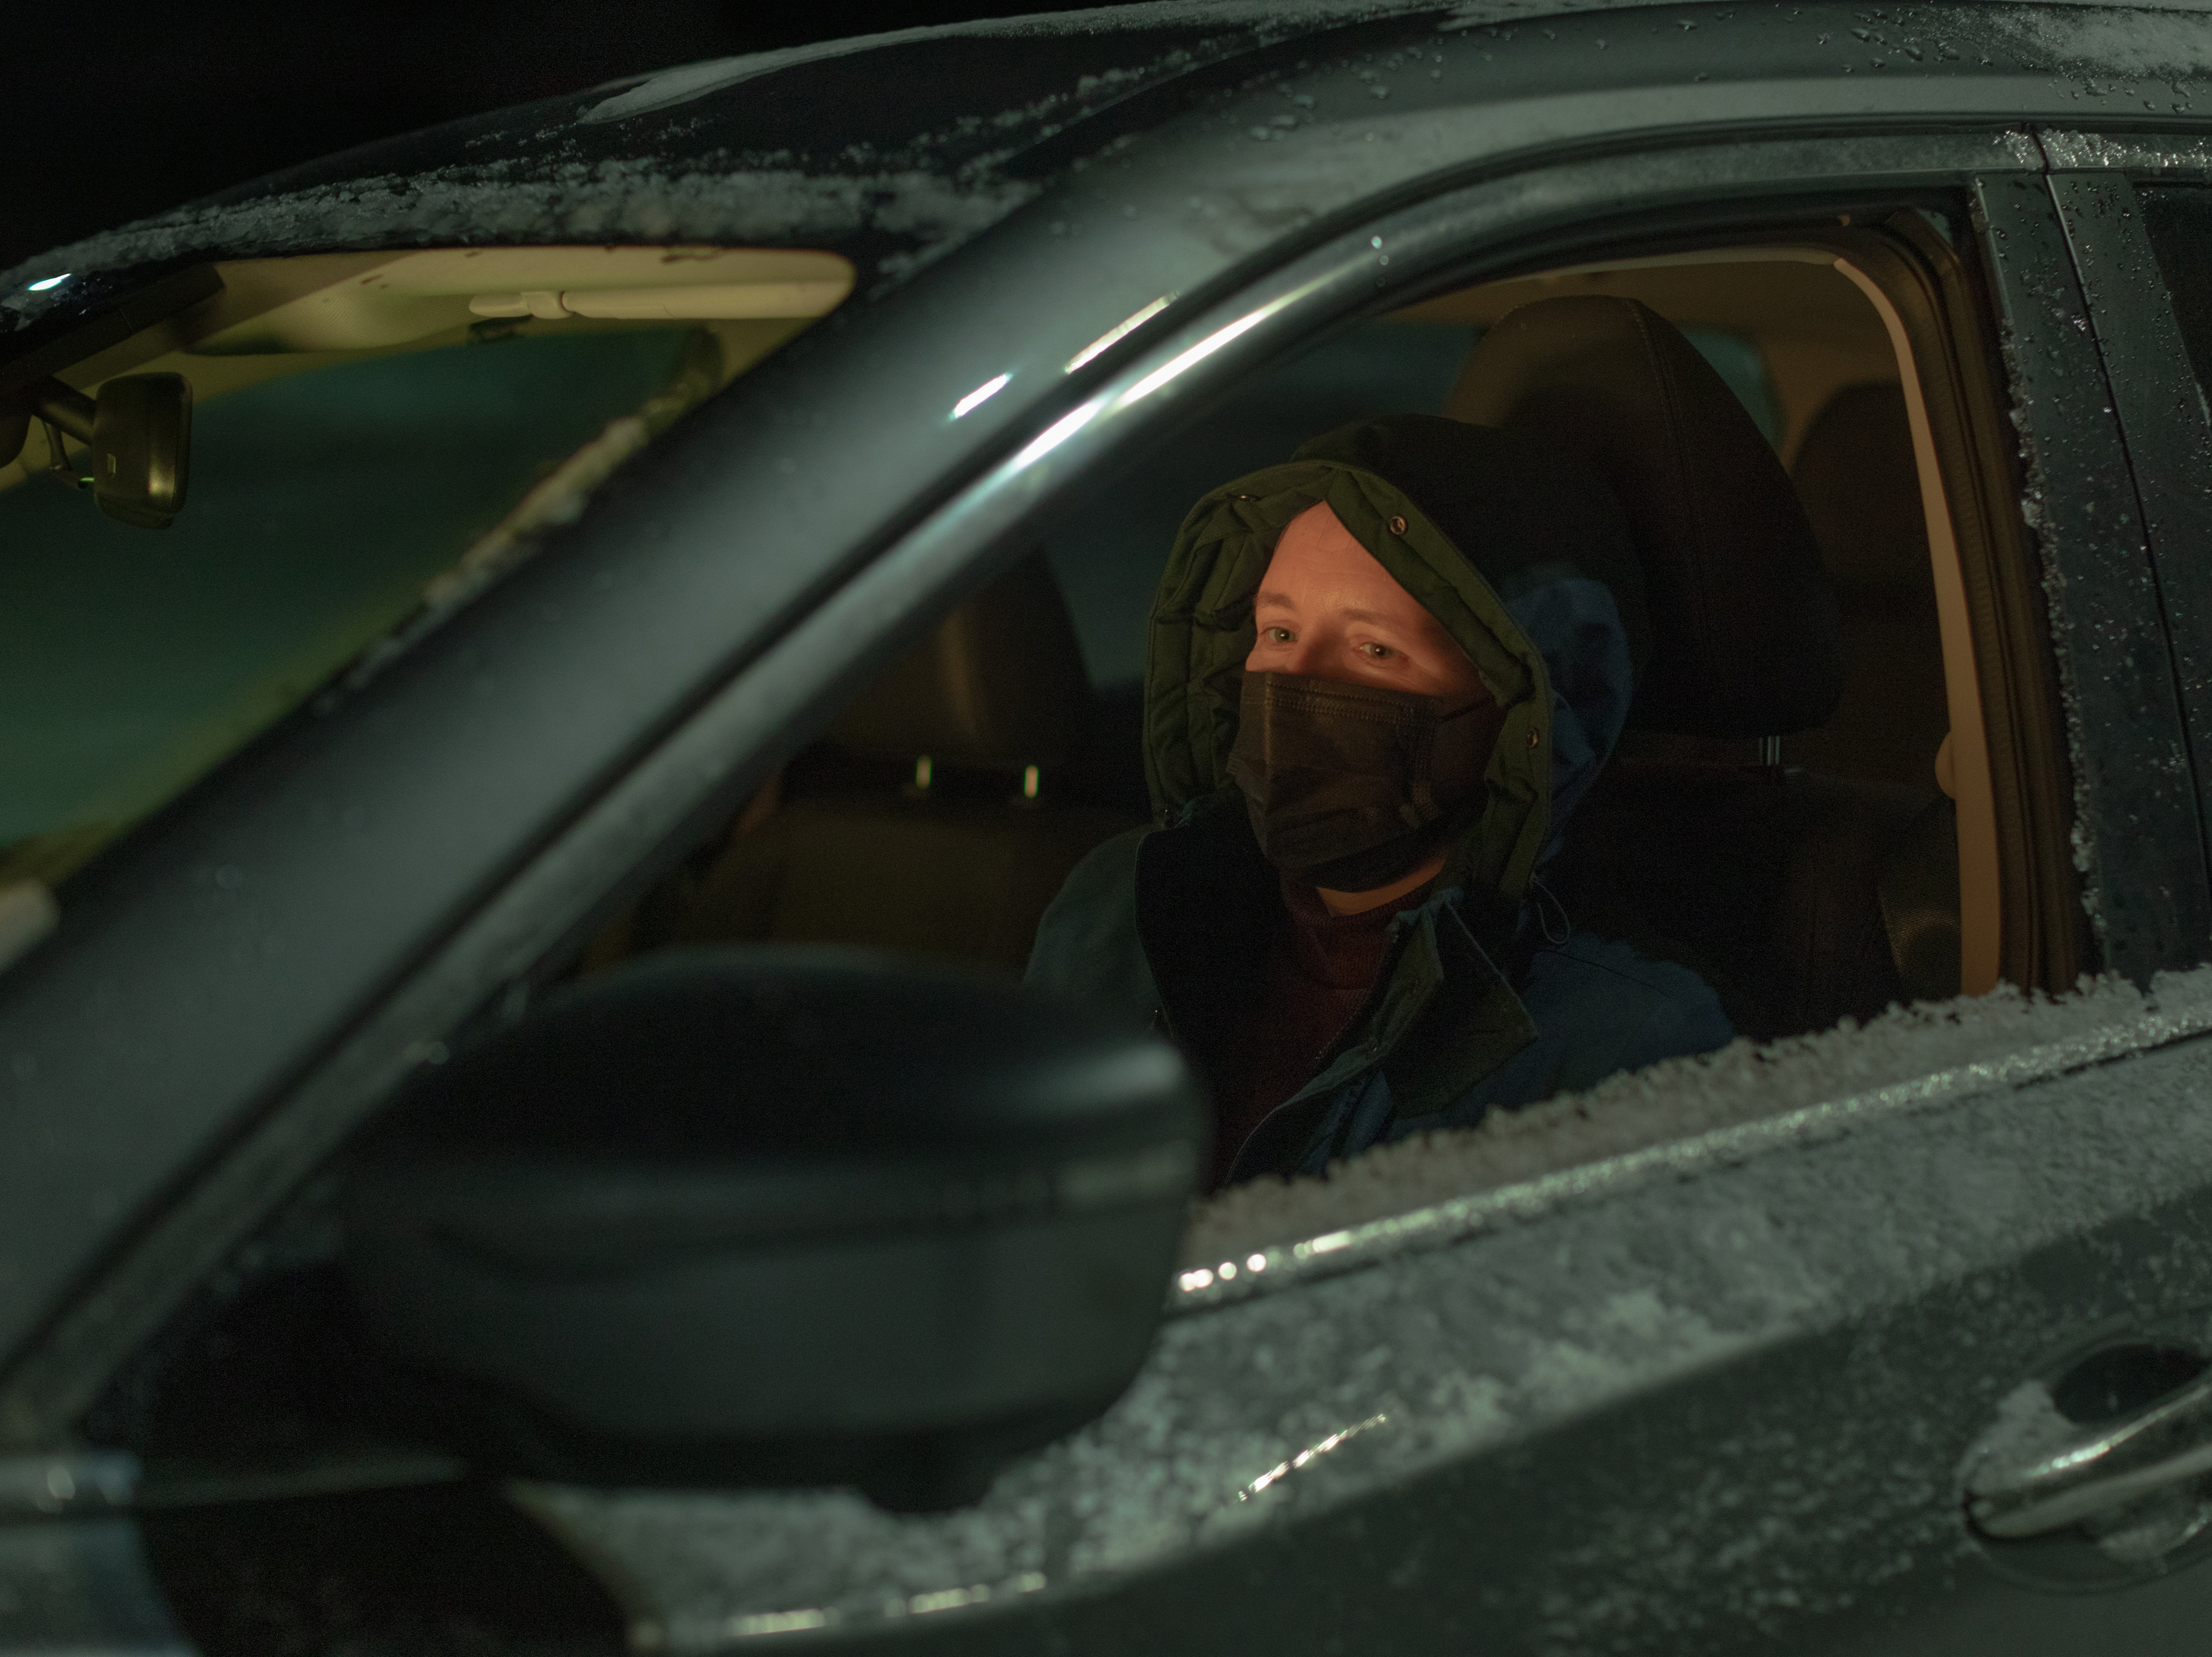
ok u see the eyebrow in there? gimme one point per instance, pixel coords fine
(1283, 601)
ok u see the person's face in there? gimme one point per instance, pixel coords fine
(1326, 609)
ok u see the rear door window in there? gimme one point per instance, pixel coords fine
(2179, 220)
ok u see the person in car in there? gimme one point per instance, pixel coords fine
(1379, 678)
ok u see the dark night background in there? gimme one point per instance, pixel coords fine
(115, 111)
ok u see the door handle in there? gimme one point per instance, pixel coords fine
(2037, 1472)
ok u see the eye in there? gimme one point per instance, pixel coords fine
(1378, 652)
(1277, 635)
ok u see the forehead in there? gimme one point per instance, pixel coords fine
(1318, 562)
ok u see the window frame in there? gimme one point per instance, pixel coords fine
(2124, 728)
(2163, 426)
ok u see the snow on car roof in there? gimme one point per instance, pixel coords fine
(2122, 41)
(667, 157)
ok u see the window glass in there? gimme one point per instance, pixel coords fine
(2179, 220)
(1741, 363)
(948, 829)
(320, 504)
(945, 823)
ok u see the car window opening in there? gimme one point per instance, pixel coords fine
(1822, 870)
(372, 433)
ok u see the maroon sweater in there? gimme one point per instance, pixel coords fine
(1320, 971)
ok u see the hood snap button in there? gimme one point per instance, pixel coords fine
(1397, 526)
(1533, 739)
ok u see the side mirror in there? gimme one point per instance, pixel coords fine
(139, 431)
(778, 1215)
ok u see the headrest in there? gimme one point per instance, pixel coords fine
(1861, 487)
(1743, 628)
(998, 685)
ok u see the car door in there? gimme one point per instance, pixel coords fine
(1716, 1391)
(1722, 1392)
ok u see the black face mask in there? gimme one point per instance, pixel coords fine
(1351, 786)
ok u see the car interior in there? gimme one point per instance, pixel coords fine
(1804, 854)
(1805, 861)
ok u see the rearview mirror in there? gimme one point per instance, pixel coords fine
(778, 1215)
(139, 432)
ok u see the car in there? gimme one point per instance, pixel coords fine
(565, 653)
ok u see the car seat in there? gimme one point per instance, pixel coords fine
(927, 819)
(1766, 879)
(1856, 474)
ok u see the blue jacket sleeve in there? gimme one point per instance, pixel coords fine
(1599, 1009)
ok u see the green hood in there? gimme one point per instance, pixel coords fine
(1521, 553)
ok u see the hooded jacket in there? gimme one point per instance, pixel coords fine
(1488, 998)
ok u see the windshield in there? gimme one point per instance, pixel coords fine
(333, 494)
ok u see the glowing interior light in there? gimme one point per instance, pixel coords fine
(983, 394)
(921, 770)
(1120, 331)
(1202, 1279)
(51, 282)
(1028, 782)
(1255, 1263)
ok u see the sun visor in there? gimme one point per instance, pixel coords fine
(365, 301)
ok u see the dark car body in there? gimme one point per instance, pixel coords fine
(1711, 1393)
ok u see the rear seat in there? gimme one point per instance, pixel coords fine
(1856, 474)
(1855, 471)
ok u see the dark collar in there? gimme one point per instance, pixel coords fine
(1207, 905)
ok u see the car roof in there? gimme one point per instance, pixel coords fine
(894, 149)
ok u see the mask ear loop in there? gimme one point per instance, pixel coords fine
(1458, 748)
(1551, 914)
